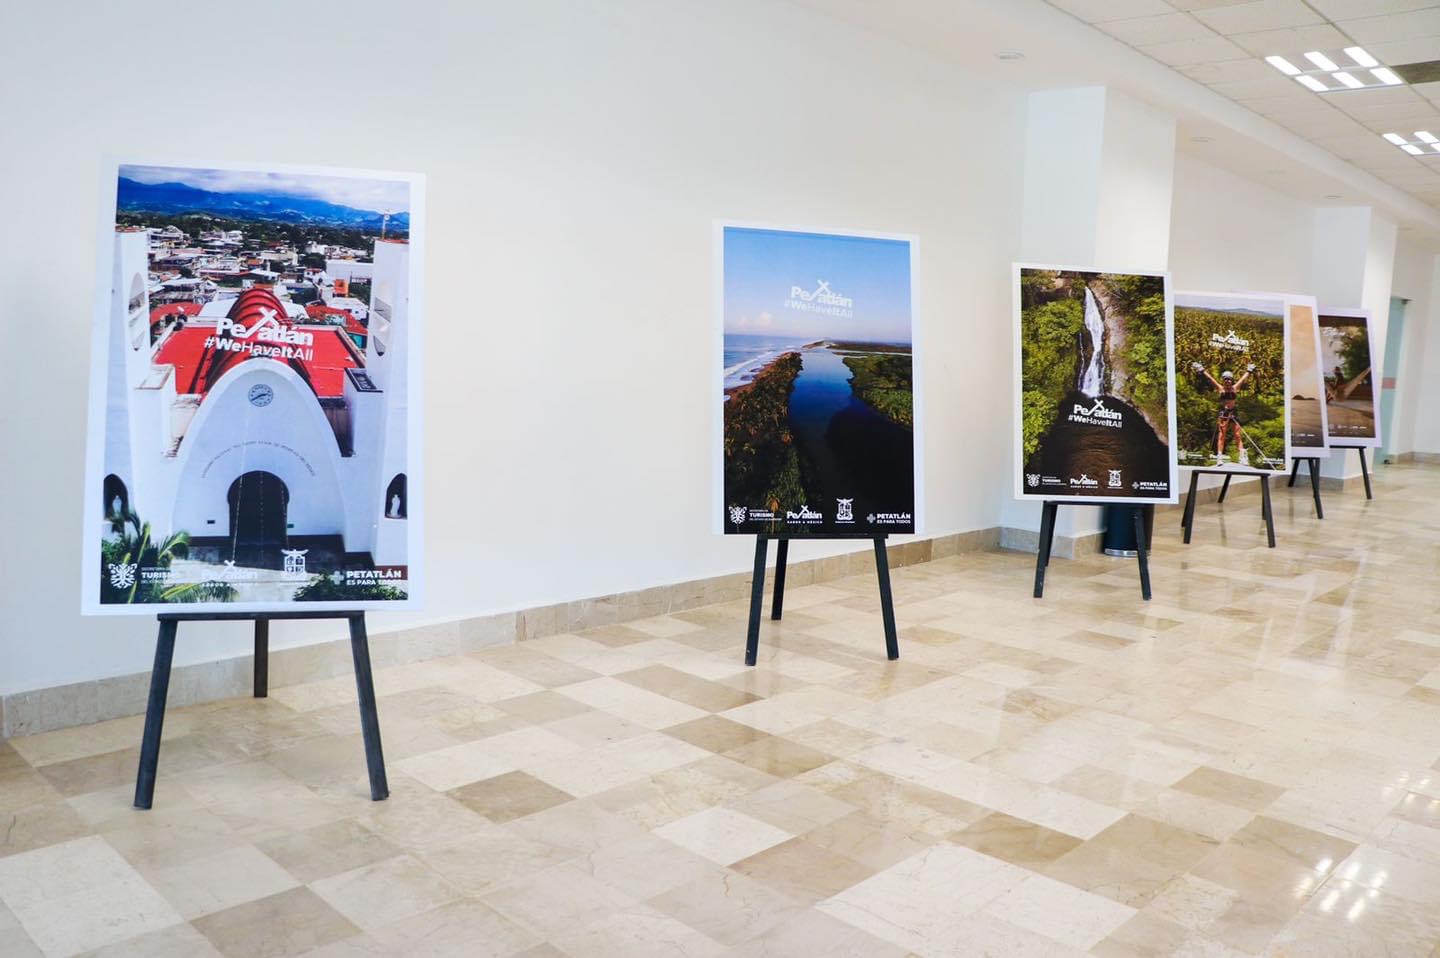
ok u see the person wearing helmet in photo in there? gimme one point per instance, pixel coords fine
(1229, 422)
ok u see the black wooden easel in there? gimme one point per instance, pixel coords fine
(1364, 468)
(160, 688)
(782, 554)
(1048, 512)
(1312, 465)
(1187, 518)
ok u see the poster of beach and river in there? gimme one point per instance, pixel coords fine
(1095, 399)
(1346, 361)
(817, 415)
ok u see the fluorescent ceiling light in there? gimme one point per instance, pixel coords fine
(1412, 149)
(1348, 80)
(1321, 61)
(1387, 76)
(1359, 55)
(1395, 138)
(1312, 83)
(1425, 136)
(1283, 65)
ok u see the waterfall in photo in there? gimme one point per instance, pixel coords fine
(1092, 377)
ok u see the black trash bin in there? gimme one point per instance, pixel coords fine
(1119, 537)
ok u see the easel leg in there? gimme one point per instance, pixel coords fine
(757, 599)
(1266, 510)
(369, 717)
(1313, 467)
(1365, 471)
(155, 713)
(262, 658)
(1224, 489)
(1187, 519)
(1042, 548)
(777, 601)
(1142, 552)
(887, 599)
(1294, 473)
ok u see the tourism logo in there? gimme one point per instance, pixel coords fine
(888, 518)
(294, 561)
(1115, 482)
(844, 510)
(1032, 479)
(1097, 415)
(821, 299)
(1230, 341)
(122, 574)
(1084, 482)
(261, 395)
(737, 514)
(267, 336)
(805, 514)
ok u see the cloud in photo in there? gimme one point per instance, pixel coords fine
(380, 196)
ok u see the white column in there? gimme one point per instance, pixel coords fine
(1353, 266)
(1099, 173)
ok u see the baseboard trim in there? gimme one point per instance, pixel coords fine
(64, 706)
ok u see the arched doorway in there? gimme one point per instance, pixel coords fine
(395, 504)
(116, 498)
(258, 507)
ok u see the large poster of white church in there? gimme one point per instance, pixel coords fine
(252, 443)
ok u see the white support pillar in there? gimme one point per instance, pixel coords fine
(1353, 266)
(1099, 173)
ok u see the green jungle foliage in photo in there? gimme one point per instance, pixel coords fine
(133, 545)
(1052, 319)
(885, 381)
(762, 464)
(1260, 404)
(1352, 345)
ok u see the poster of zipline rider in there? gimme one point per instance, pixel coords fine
(1347, 362)
(1094, 394)
(1231, 393)
(254, 440)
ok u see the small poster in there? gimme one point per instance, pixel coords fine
(815, 394)
(1230, 389)
(1095, 399)
(1306, 381)
(253, 444)
(1351, 414)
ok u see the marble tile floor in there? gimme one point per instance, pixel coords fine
(1246, 765)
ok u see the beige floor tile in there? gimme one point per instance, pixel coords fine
(173, 941)
(483, 860)
(385, 892)
(641, 931)
(817, 935)
(327, 850)
(460, 929)
(233, 877)
(1229, 788)
(290, 923)
(1015, 840)
(716, 734)
(727, 906)
(509, 796)
(723, 835)
(556, 901)
(803, 870)
(1060, 911)
(644, 867)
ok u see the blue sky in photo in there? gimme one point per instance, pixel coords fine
(762, 265)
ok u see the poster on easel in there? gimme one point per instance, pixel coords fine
(1308, 431)
(253, 441)
(1094, 393)
(815, 395)
(1230, 370)
(1352, 415)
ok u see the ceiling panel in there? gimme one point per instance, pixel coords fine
(1222, 44)
(1258, 15)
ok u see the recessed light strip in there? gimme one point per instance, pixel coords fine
(1359, 55)
(1322, 61)
(1312, 83)
(1283, 65)
(1387, 76)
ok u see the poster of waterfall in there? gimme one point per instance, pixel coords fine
(253, 439)
(1230, 386)
(1306, 380)
(1094, 395)
(1351, 413)
(815, 391)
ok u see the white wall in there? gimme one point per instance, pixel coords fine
(576, 155)
(1230, 233)
(1417, 418)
